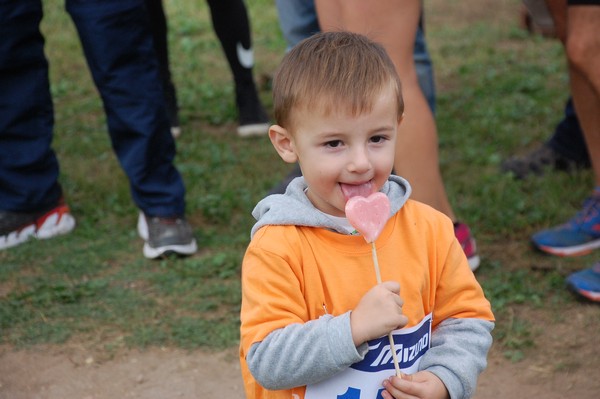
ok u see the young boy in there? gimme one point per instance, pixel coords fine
(315, 323)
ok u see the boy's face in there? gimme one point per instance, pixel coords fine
(341, 155)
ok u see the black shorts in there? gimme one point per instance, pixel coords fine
(583, 2)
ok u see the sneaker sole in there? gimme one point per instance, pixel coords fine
(589, 295)
(256, 129)
(56, 222)
(185, 250)
(15, 238)
(577, 250)
(153, 253)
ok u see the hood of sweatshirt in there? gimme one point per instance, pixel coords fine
(294, 208)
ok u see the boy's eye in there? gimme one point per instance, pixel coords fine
(377, 139)
(333, 143)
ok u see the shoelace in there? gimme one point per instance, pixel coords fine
(591, 209)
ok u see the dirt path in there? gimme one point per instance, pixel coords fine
(564, 363)
(164, 374)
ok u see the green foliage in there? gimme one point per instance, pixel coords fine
(500, 92)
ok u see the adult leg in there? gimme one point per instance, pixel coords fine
(297, 20)
(230, 22)
(119, 49)
(568, 140)
(580, 235)
(558, 11)
(28, 165)
(566, 149)
(583, 53)
(394, 25)
(118, 46)
(30, 196)
(159, 28)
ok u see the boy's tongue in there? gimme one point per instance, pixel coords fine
(353, 190)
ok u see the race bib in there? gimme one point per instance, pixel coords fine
(363, 380)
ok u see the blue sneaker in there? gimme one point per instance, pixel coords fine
(579, 236)
(586, 283)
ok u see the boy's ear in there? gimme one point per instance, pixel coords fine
(282, 141)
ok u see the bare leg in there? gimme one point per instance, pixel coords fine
(583, 52)
(558, 10)
(394, 25)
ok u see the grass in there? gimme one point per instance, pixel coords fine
(500, 91)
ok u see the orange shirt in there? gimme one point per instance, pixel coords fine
(293, 274)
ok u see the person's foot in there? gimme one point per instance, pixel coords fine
(253, 119)
(18, 227)
(538, 161)
(164, 236)
(579, 236)
(468, 244)
(586, 283)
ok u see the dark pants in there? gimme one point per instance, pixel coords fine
(568, 138)
(119, 50)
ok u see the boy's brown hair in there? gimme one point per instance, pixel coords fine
(331, 70)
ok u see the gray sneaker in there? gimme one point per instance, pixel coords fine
(165, 236)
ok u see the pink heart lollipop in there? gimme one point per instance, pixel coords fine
(368, 215)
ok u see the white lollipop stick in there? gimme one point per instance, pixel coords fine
(390, 336)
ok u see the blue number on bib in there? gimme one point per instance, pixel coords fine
(351, 393)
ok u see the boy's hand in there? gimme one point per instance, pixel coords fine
(422, 385)
(378, 312)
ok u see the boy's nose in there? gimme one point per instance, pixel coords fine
(360, 161)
